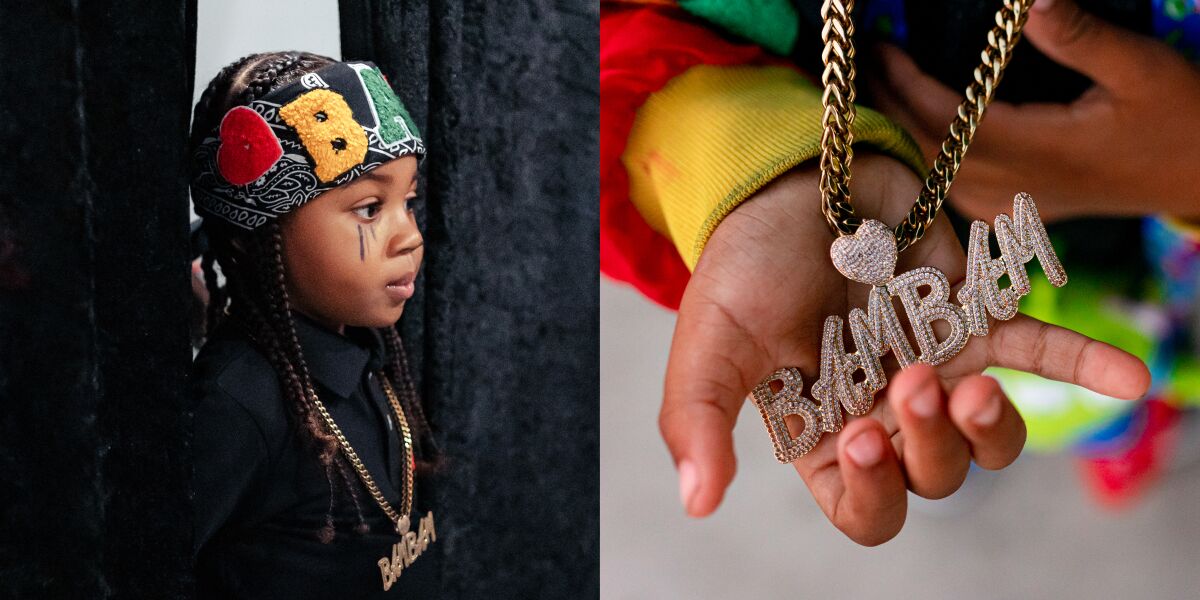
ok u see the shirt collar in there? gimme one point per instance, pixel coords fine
(339, 362)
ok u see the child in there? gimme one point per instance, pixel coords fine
(307, 424)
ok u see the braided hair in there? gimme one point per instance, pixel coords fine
(255, 296)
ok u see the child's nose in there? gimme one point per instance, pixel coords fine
(406, 240)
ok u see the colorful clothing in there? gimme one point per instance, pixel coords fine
(664, 188)
(642, 47)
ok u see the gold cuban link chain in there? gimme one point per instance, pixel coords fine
(361, 469)
(838, 100)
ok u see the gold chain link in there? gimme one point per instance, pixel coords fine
(838, 100)
(352, 456)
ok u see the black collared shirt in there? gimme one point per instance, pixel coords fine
(261, 495)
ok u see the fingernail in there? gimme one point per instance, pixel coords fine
(924, 402)
(865, 449)
(1042, 5)
(687, 484)
(989, 414)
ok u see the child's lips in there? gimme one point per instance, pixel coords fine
(401, 289)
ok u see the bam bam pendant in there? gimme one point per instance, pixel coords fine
(406, 551)
(869, 256)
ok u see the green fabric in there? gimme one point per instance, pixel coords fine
(772, 24)
(395, 124)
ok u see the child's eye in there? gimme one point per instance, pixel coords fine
(369, 211)
(409, 200)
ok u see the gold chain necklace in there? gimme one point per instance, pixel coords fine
(838, 100)
(866, 251)
(411, 544)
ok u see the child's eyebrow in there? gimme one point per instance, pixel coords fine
(378, 176)
(388, 179)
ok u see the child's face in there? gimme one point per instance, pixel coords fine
(351, 253)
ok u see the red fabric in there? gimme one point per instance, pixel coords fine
(1119, 479)
(248, 146)
(641, 49)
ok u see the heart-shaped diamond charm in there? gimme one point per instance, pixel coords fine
(868, 256)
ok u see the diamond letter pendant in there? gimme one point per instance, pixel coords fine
(869, 257)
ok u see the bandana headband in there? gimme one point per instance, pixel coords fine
(323, 130)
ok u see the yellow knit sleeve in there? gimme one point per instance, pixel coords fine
(715, 135)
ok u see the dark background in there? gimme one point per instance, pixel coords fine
(94, 289)
(507, 324)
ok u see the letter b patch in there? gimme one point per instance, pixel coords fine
(328, 131)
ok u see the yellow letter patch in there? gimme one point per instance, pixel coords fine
(328, 131)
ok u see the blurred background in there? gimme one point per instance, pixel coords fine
(1039, 529)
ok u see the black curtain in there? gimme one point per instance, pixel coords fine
(506, 329)
(94, 348)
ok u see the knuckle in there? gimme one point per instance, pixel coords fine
(1078, 26)
(1040, 345)
(667, 423)
(669, 419)
(664, 423)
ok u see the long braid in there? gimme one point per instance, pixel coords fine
(274, 286)
(202, 123)
(348, 479)
(397, 371)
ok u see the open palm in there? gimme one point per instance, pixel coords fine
(757, 301)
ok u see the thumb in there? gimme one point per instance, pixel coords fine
(1113, 57)
(700, 406)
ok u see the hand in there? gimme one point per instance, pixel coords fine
(1127, 146)
(757, 301)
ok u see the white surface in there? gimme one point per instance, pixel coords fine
(228, 30)
(1026, 532)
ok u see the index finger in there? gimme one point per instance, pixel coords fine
(1027, 344)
